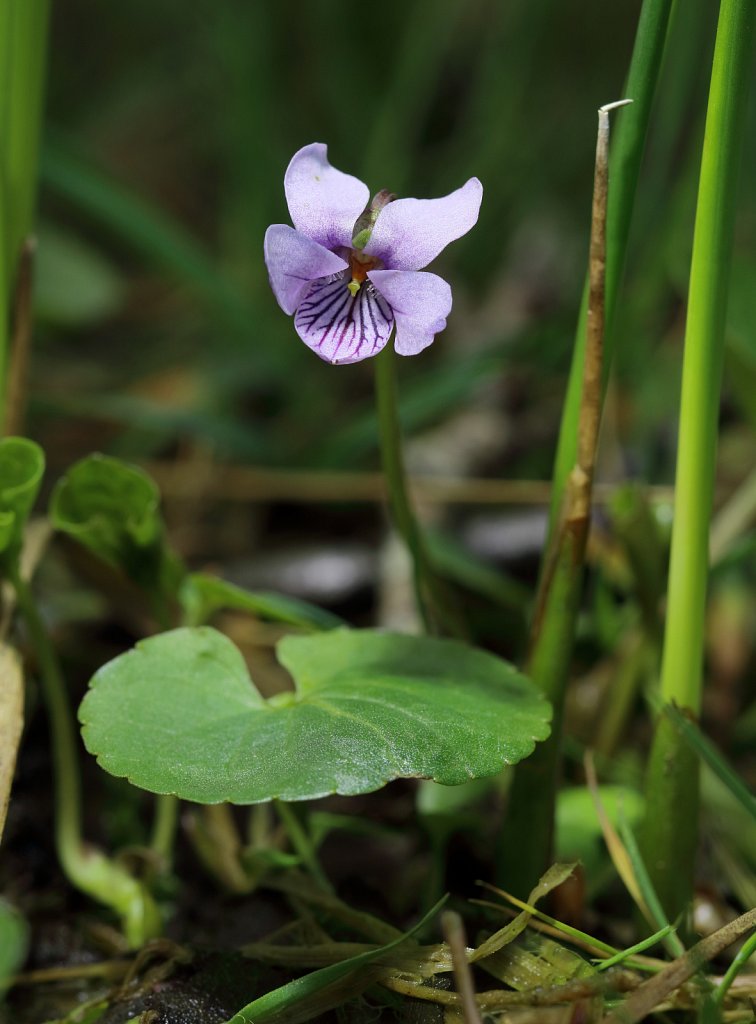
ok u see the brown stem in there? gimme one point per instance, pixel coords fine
(530, 814)
(454, 933)
(658, 988)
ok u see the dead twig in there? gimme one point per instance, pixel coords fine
(654, 991)
(180, 481)
(454, 933)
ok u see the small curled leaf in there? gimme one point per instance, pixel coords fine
(22, 465)
(112, 509)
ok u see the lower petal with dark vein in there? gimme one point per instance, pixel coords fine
(341, 327)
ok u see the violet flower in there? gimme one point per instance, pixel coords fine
(350, 269)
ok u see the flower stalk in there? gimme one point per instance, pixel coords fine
(392, 456)
(671, 831)
(435, 603)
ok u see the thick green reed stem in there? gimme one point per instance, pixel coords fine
(85, 866)
(671, 832)
(23, 49)
(526, 840)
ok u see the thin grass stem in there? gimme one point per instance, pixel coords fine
(741, 958)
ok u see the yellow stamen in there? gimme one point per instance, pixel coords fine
(353, 287)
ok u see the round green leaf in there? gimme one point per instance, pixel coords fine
(180, 714)
(22, 464)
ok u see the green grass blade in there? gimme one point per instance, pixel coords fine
(639, 947)
(648, 892)
(267, 1008)
(581, 938)
(742, 957)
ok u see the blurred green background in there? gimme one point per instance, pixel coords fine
(169, 127)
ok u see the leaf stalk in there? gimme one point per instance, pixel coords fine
(86, 867)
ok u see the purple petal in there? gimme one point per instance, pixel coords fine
(340, 327)
(420, 302)
(409, 233)
(293, 262)
(324, 203)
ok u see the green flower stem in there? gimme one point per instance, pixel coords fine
(434, 602)
(23, 50)
(86, 867)
(624, 170)
(396, 479)
(670, 835)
